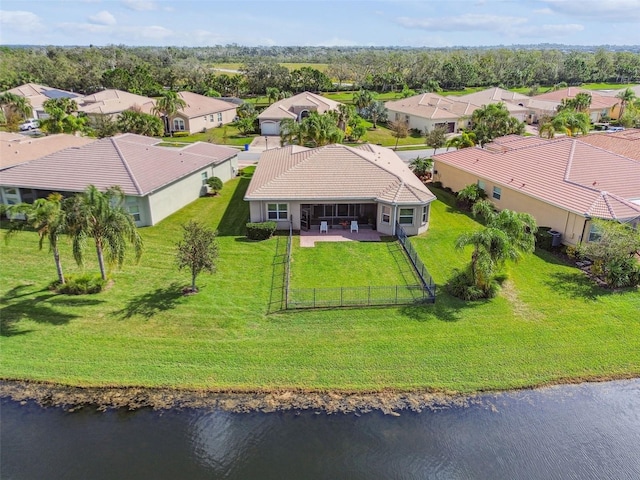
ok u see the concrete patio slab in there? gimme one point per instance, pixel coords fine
(309, 238)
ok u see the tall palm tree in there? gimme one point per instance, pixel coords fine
(10, 102)
(626, 96)
(322, 129)
(362, 99)
(273, 93)
(547, 130)
(571, 122)
(48, 219)
(291, 132)
(101, 216)
(167, 106)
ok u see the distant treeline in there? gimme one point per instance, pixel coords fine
(148, 70)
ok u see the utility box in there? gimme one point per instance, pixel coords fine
(556, 238)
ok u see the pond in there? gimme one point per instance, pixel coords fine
(588, 431)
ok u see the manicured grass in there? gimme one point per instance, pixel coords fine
(214, 135)
(383, 136)
(548, 324)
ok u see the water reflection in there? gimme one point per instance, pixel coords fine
(588, 431)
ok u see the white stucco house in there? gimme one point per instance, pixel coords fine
(202, 113)
(157, 181)
(297, 108)
(426, 111)
(336, 184)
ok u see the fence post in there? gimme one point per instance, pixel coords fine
(369, 296)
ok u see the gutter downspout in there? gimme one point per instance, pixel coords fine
(395, 219)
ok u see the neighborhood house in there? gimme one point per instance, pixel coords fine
(157, 181)
(201, 113)
(563, 183)
(336, 185)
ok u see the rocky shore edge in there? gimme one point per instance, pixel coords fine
(133, 398)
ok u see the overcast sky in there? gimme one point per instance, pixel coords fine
(431, 23)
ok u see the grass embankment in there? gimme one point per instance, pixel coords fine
(549, 323)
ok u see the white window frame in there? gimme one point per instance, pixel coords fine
(425, 214)
(133, 207)
(220, 116)
(481, 184)
(204, 176)
(402, 218)
(497, 193)
(277, 211)
(178, 125)
(386, 214)
(595, 234)
(211, 117)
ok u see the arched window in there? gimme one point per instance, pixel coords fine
(178, 125)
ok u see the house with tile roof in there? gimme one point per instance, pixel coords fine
(156, 180)
(112, 102)
(625, 142)
(297, 108)
(515, 102)
(563, 183)
(335, 184)
(38, 94)
(16, 148)
(601, 106)
(202, 113)
(427, 111)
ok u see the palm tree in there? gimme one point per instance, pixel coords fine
(571, 122)
(626, 96)
(344, 114)
(322, 129)
(102, 217)
(48, 219)
(464, 140)
(291, 132)
(167, 106)
(362, 99)
(273, 94)
(520, 227)
(10, 102)
(421, 166)
(376, 112)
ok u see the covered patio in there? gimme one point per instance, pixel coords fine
(337, 215)
(310, 237)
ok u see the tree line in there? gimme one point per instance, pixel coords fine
(149, 70)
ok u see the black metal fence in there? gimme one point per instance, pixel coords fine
(425, 277)
(286, 298)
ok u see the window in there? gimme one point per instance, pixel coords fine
(497, 193)
(386, 214)
(133, 208)
(406, 216)
(211, 117)
(595, 234)
(204, 178)
(481, 184)
(425, 214)
(220, 117)
(277, 211)
(178, 124)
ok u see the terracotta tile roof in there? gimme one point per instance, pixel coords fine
(112, 101)
(626, 143)
(367, 172)
(199, 105)
(565, 172)
(16, 148)
(598, 102)
(285, 108)
(133, 162)
(512, 100)
(433, 106)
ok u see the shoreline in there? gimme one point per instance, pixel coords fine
(72, 398)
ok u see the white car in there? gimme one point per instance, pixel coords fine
(30, 124)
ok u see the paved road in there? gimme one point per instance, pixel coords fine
(409, 155)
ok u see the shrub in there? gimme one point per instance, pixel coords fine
(261, 231)
(461, 285)
(544, 238)
(437, 184)
(215, 184)
(81, 285)
(181, 134)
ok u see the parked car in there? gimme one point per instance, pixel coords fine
(30, 124)
(615, 129)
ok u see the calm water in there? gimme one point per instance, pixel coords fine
(583, 432)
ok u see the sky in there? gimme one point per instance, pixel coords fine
(426, 23)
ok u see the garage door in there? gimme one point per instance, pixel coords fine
(270, 128)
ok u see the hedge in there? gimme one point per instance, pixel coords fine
(260, 231)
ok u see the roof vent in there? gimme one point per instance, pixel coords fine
(595, 182)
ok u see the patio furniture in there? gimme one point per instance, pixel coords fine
(354, 226)
(324, 227)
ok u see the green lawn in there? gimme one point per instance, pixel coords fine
(548, 324)
(214, 135)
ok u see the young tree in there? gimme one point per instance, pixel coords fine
(247, 125)
(376, 112)
(101, 216)
(437, 138)
(399, 129)
(197, 251)
(47, 217)
(626, 96)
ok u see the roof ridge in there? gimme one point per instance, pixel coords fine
(126, 165)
